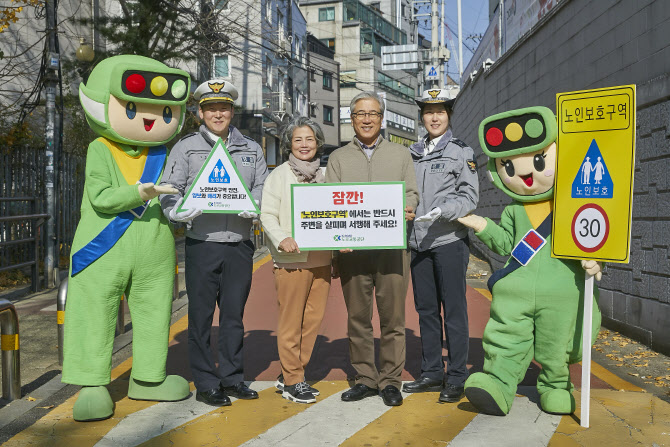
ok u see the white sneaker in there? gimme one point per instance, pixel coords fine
(299, 393)
(279, 384)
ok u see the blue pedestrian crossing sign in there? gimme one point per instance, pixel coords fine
(593, 180)
(430, 73)
(219, 174)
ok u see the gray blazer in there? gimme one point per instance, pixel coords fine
(183, 165)
(447, 179)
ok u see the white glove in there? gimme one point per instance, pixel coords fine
(148, 190)
(473, 221)
(593, 268)
(248, 215)
(432, 216)
(183, 216)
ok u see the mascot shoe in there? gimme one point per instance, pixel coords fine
(482, 391)
(93, 404)
(172, 389)
(557, 402)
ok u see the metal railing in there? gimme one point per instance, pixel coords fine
(61, 300)
(9, 343)
(7, 237)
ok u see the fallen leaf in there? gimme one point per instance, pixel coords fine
(634, 374)
(31, 399)
(46, 408)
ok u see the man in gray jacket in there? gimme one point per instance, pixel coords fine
(449, 188)
(219, 253)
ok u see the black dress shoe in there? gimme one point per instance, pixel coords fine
(215, 397)
(391, 396)
(451, 393)
(358, 392)
(241, 391)
(422, 385)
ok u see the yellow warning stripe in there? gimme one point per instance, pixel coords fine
(612, 379)
(60, 316)
(242, 421)
(420, 421)
(485, 292)
(9, 342)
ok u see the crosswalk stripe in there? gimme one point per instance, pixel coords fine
(484, 292)
(241, 422)
(420, 421)
(538, 426)
(329, 422)
(146, 424)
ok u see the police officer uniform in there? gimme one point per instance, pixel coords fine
(219, 253)
(449, 188)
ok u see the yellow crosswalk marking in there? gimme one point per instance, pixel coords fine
(485, 292)
(244, 420)
(420, 421)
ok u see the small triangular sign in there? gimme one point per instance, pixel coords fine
(218, 187)
(593, 180)
(432, 72)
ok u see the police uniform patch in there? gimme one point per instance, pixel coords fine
(248, 161)
(437, 168)
(472, 165)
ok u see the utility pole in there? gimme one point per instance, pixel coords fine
(460, 43)
(434, 41)
(51, 82)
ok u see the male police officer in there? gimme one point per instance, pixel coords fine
(218, 250)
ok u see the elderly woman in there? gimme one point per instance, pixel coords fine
(449, 188)
(302, 279)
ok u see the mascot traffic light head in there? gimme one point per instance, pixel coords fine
(521, 146)
(135, 100)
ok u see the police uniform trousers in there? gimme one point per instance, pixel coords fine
(384, 273)
(217, 273)
(438, 280)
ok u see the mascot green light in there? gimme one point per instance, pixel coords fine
(123, 244)
(537, 300)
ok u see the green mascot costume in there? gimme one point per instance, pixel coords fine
(123, 244)
(537, 300)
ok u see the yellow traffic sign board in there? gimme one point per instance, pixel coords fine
(595, 163)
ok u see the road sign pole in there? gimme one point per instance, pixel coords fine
(586, 350)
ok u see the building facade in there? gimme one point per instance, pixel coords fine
(324, 90)
(356, 33)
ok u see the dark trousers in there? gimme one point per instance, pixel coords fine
(217, 273)
(438, 280)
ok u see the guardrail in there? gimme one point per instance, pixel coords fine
(35, 221)
(61, 299)
(9, 343)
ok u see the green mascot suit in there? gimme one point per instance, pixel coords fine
(537, 300)
(123, 244)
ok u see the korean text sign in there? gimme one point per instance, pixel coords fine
(331, 216)
(595, 164)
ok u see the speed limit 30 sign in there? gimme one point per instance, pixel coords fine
(590, 227)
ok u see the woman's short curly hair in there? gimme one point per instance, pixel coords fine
(286, 136)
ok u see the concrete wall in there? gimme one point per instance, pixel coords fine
(584, 44)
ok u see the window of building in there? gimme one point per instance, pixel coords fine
(348, 79)
(376, 6)
(327, 14)
(221, 4)
(328, 114)
(312, 74)
(221, 66)
(267, 71)
(312, 109)
(327, 80)
(330, 43)
(268, 10)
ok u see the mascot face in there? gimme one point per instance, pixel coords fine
(522, 152)
(135, 100)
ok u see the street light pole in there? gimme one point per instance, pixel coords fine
(51, 82)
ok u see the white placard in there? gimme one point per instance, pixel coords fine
(332, 216)
(218, 187)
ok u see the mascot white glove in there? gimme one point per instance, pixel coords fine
(183, 216)
(593, 268)
(473, 221)
(432, 216)
(148, 190)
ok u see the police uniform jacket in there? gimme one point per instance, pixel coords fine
(447, 179)
(181, 170)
